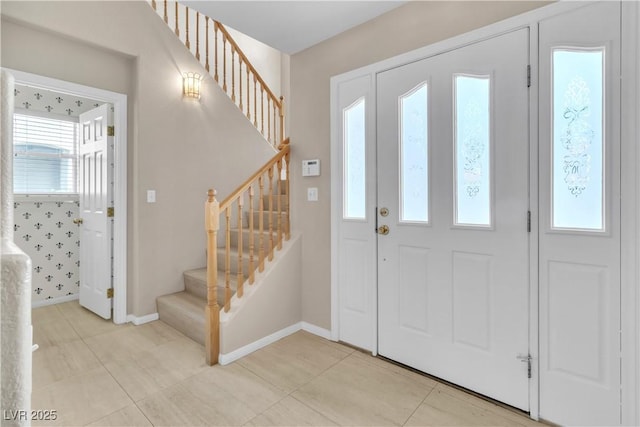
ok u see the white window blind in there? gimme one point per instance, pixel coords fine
(45, 154)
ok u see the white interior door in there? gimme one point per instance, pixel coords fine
(580, 216)
(94, 187)
(453, 181)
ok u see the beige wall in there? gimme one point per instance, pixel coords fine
(177, 147)
(268, 306)
(409, 27)
(265, 59)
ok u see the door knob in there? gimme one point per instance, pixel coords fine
(383, 229)
(78, 221)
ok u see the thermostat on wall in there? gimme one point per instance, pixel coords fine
(311, 167)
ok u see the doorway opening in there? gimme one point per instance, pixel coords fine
(81, 98)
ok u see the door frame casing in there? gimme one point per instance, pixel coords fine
(119, 102)
(630, 208)
(630, 212)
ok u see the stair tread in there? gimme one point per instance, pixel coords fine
(184, 299)
(200, 275)
(266, 211)
(245, 253)
(184, 312)
(246, 230)
(187, 304)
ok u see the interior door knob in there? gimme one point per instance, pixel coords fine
(383, 229)
(78, 221)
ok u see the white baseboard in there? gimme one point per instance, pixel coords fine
(316, 330)
(225, 359)
(52, 301)
(143, 319)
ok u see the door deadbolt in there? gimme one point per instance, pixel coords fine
(78, 221)
(384, 212)
(383, 229)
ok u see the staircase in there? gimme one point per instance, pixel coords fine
(211, 44)
(255, 217)
(185, 310)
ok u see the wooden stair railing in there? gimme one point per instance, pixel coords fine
(270, 236)
(229, 66)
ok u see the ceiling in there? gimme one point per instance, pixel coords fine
(294, 25)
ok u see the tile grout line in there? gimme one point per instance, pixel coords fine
(100, 362)
(419, 405)
(289, 394)
(58, 346)
(315, 410)
(103, 365)
(317, 376)
(133, 401)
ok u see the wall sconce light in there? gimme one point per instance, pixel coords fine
(191, 85)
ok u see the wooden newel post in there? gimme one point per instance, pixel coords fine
(212, 311)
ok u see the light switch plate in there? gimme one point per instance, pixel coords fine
(151, 196)
(312, 194)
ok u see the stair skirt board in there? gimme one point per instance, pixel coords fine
(225, 359)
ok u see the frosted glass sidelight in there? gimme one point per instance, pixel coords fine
(472, 150)
(414, 171)
(578, 143)
(354, 161)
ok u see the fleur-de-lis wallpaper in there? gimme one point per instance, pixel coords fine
(45, 101)
(44, 227)
(51, 239)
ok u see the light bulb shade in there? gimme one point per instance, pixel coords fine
(191, 85)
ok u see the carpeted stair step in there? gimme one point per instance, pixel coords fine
(283, 202)
(245, 240)
(184, 312)
(195, 283)
(265, 218)
(233, 267)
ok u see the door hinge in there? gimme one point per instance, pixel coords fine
(110, 212)
(526, 359)
(110, 293)
(111, 130)
(528, 75)
(528, 221)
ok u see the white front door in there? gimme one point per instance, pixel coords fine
(580, 216)
(453, 276)
(95, 242)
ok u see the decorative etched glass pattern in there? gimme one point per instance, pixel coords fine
(414, 176)
(473, 150)
(354, 161)
(578, 145)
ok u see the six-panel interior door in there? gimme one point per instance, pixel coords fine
(580, 216)
(453, 191)
(95, 249)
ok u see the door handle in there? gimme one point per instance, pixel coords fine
(78, 221)
(383, 229)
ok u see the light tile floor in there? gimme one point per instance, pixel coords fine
(93, 372)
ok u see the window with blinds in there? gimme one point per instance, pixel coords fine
(45, 154)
